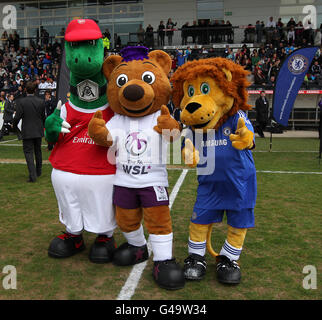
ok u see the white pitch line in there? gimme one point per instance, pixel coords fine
(288, 172)
(17, 145)
(266, 171)
(3, 142)
(132, 281)
(193, 169)
(278, 151)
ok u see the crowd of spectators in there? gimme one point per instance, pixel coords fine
(273, 41)
(264, 62)
(19, 65)
(206, 32)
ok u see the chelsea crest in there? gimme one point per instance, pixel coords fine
(298, 64)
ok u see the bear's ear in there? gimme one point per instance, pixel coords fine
(162, 58)
(110, 64)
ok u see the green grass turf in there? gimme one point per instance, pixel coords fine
(16, 152)
(287, 236)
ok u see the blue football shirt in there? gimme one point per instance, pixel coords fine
(226, 176)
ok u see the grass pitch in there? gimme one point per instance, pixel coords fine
(287, 236)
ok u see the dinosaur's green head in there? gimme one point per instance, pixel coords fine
(84, 58)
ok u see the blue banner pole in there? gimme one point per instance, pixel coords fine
(287, 84)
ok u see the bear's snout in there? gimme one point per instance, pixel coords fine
(133, 92)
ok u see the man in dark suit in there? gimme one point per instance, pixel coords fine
(31, 110)
(262, 107)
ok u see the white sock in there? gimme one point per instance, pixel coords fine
(197, 247)
(161, 246)
(136, 237)
(229, 251)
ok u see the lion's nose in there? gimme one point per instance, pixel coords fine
(133, 92)
(193, 106)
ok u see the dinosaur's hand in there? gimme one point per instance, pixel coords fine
(97, 130)
(190, 155)
(54, 125)
(243, 138)
(167, 126)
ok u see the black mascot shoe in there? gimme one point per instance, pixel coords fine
(168, 274)
(102, 250)
(228, 271)
(194, 267)
(128, 255)
(66, 245)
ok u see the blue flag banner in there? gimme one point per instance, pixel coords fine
(288, 82)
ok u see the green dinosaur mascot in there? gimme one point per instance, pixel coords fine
(82, 177)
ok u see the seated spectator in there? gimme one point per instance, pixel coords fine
(255, 58)
(308, 33)
(184, 33)
(230, 55)
(299, 30)
(316, 68)
(271, 82)
(259, 31)
(249, 34)
(259, 76)
(270, 26)
(181, 58)
(291, 35)
(289, 49)
(279, 27)
(291, 23)
(276, 37)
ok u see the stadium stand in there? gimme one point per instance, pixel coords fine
(259, 48)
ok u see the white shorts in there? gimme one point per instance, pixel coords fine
(85, 202)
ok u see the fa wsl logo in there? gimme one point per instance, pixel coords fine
(87, 90)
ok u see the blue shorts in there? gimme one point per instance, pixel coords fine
(243, 218)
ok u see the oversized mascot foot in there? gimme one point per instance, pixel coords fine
(228, 271)
(128, 255)
(102, 250)
(168, 274)
(194, 267)
(66, 245)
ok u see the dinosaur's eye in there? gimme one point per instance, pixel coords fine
(148, 77)
(191, 91)
(91, 42)
(204, 88)
(121, 80)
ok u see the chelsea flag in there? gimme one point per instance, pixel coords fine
(288, 82)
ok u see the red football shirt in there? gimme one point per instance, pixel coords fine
(76, 152)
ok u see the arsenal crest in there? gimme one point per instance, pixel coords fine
(87, 90)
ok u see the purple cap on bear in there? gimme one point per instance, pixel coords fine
(134, 53)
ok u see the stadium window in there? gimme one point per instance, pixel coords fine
(107, 9)
(90, 2)
(207, 9)
(90, 11)
(75, 3)
(136, 8)
(120, 9)
(53, 5)
(32, 10)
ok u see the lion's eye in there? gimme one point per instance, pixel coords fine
(148, 77)
(191, 91)
(121, 80)
(204, 88)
